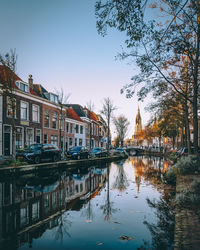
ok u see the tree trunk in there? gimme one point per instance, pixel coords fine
(195, 96)
(187, 126)
(108, 136)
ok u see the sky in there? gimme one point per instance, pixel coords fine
(57, 42)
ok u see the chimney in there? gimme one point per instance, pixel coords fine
(30, 81)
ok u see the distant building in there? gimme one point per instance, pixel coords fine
(136, 138)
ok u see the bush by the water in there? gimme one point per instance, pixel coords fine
(173, 157)
(190, 197)
(185, 165)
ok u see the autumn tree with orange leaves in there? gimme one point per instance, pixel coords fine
(159, 36)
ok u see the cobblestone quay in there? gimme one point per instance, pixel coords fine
(187, 222)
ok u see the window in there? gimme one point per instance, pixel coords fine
(54, 140)
(11, 107)
(35, 211)
(81, 129)
(76, 188)
(24, 219)
(23, 86)
(29, 136)
(24, 111)
(80, 142)
(75, 142)
(53, 98)
(71, 128)
(67, 127)
(35, 113)
(38, 136)
(46, 119)
(77, 128)
(45, 138)
(54, 120)
(81, 187)
(70, 141)
(19, 138)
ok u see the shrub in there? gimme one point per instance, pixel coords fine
(190, 197)
(173, 157)
(187, 165)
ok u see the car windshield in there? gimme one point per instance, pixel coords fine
(96, 149)
(77, 149)
(34, 147)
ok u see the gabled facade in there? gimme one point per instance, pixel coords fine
(27, 115)
(75, 129)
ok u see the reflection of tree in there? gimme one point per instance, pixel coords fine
(63, 223)
(88, 212)
(162, 232)
(121, 181)
(63, 227)
(107, 208)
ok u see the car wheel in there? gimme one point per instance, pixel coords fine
(55, 158)
(78, 157)
(37, 160)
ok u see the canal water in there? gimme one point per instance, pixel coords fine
(120, 205)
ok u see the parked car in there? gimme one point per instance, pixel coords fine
(36, 153)
(122, 151)
(184, 151)
(78, 152)
(118, 151)
(99, 152)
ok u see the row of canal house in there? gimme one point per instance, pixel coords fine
(40, 118)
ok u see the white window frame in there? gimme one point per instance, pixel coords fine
(19, 84)
(27, 135)
(27, 111)
(49, 113)
(55, 115)
(38, 114)
(53, 141)
(22, 135)
(47, 139)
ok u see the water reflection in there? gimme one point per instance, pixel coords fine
(32, 207)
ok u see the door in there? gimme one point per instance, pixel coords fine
(6, 140)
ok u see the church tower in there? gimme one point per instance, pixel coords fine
(138, 122)
(138, 127)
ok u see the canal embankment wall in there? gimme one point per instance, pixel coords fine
(187, 224)
(61, 165)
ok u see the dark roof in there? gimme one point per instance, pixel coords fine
(78, 109)
(91, 115)
(72, 114)
(40, 90)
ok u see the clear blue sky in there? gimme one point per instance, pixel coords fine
(57, 42)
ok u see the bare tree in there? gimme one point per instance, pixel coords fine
(121, 124)
(107, 111)
(7, 83)
(62, 101)
(121, 181)
(90, 107)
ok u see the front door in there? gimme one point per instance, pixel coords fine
(7, 140)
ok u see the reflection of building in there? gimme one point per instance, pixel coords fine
(138, 168)
(151, 169)
(23, 206)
